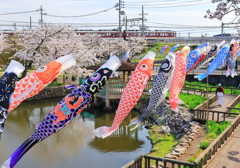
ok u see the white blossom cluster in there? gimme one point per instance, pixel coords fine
(221, 10)
(224, 8)
(48, 43)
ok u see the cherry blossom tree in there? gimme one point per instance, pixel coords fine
(44, 44)
(225, 7)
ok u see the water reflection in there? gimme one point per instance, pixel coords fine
(75, 145)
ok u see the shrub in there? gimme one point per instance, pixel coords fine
(204, 145)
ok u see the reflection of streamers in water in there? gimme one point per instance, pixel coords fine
(70, 141)
(118, 144)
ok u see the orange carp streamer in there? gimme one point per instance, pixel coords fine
(131, 94)
(178, 78)
(35, 82)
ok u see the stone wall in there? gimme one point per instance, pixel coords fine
(51, 92)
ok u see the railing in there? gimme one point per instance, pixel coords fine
(188, 89)
(216, 144)
(210, 115)
(233, 104)
(212, 89)
(145, 161)
(207, 103)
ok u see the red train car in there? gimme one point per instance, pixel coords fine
(7, 33)
(149, 34)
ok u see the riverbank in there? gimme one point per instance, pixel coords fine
(184, 131)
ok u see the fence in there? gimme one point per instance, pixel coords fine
(233, 104)
(145, 161)
(210, 115)
(204, 89)
(216, 144)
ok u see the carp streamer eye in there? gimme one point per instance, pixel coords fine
(193, 55)
(95, 77)
(225, 50)
(214, 48)
(144, 67)
(42, 69)
(165, 65)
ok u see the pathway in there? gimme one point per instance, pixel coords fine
(229, 155)
(195, 146)
(227, 100)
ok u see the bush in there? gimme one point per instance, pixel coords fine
(204, 145)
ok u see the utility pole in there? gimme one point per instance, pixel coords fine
(143, 19)
(222, 28)
(41, 10)
(126, 24)
(119, 12)
(30, 22)
(15, 26)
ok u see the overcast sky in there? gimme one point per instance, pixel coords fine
(177, 12)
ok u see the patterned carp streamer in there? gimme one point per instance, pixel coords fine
(33, 83)
(161, 84)
(231, 58)
(178, 78)
(163, 49)
(126, 56)
(194, 56)
(211, 54)
(7, 84)
(131, 94)
(215, 63)
(67, 109)
(204, 52)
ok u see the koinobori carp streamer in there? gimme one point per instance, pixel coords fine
(67, 109)
(131, 94)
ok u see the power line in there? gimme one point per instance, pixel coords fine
(81, 15)
(183, 25)
(171, 3)
(151, 1)
(168, 6)
(19, 12)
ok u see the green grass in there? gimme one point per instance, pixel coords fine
(204, 145)
(157, 48)
(162, 143)
(214, 129)
(190, 100)
(234, 110)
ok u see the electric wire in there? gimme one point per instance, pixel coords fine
(168, 6)
(151, 1)
(19, 12)
(169, 3)
(80, 15)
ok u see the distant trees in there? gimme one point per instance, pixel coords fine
(44, 44)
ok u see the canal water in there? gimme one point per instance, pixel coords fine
(74, 146)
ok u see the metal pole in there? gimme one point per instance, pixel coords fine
(142, 21)
(30, 22)
(120, 29)
(222, 28)
(41, 15)
(15, 26)
(126, 24)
